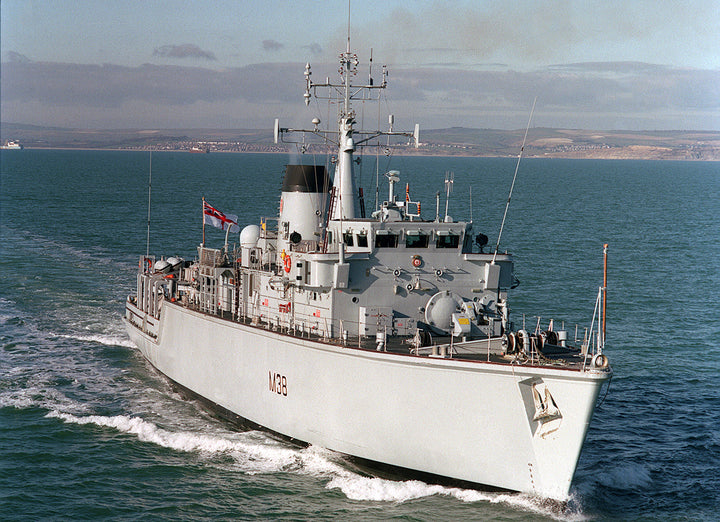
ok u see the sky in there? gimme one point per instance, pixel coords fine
(603, 65)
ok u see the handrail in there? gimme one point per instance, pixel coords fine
(596, 313)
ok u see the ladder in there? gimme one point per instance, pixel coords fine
(331, 208)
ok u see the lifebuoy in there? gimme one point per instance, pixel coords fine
(148, 262)
(288, 263)
(417, 261)
(511, 342)
(600, 361)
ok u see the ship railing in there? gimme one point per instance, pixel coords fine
(210, 256)
(224, 298)
(581, 335)
(307, 245)
(594, 342)
(382, 337)
(588, 340)
(351, 334)
(143, 309)
(267, 231)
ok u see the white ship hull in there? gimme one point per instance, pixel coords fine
(381, 335)
(462, 419)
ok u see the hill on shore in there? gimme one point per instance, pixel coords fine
(455, 141)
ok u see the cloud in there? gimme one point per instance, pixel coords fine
(272, 45)
(183, 51)
(592, 96)
(614, 68)
(528, 34)
(13, 57)
(598, 95)
(111, 85)
(314, 48)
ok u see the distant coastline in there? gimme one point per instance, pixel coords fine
(456, 141)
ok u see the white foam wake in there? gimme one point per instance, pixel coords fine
(108, 340)
(38, 395)
(254, 452)
(149, 432)
(357, 487)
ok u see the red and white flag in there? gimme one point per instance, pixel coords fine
(212, 216)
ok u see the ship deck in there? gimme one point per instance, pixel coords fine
(490, 350)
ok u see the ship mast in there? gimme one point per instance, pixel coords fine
(346, 205)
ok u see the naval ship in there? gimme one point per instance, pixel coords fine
(383, 336)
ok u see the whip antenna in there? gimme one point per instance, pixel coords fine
(512, 186)
(147, 250)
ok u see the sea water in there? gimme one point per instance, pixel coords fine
(89, 430)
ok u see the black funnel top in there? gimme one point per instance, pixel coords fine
(306, 178)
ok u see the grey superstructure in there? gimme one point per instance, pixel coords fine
(383, 336)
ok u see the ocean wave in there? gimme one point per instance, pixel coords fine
(53, 248)
(9, 313)
(86, 324)
(40, 395)
(626, 477)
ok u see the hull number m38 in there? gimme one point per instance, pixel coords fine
(278, 383)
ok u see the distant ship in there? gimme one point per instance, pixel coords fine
(198, 150)
(11, 145)
(381, 335)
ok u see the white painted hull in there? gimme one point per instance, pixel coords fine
(465, 420)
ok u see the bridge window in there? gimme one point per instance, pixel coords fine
(447, 240)
(362, 241)
(416, 240)
(386, 239)
(348, 238)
